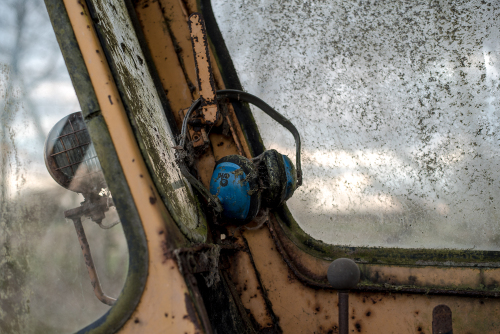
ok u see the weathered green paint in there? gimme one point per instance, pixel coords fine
(374, 277)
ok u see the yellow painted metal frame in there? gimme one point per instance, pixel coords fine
(268, 288)
(163, 303)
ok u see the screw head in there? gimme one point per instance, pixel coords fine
(343, 274)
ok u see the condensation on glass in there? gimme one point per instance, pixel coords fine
(397, 104)
(45, 280)
(44, 283)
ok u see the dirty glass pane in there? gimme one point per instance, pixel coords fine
(44, 283)
(397, 104)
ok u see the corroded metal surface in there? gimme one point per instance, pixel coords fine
(89, 262)
(199, 136)
(301, 308)
(247, 284)
(166, 41)
(397, 105)
(343, 312)
(442, 322)
(165, 55)
(147, 114)
(206, 84)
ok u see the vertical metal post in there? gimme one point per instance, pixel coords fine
(343, 312)
(87, 256)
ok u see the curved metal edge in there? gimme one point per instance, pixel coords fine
(317, 248)
(384, 255)
(89, 262)
(321, 282)
(48, 147)
(118, 314)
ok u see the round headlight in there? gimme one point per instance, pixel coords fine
(70, 156)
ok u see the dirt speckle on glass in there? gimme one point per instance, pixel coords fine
(397, 106)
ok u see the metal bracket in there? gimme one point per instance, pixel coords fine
(199, 136)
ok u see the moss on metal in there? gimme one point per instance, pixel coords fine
(146, 114)
(384, 255)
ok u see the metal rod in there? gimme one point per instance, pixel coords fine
(67, 157)
(68, 134)
(69, 149)
(75, 163)
(76, 137)
(87, 256)
(343, 312)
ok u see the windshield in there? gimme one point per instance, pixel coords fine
(397, 107)
(44, 283)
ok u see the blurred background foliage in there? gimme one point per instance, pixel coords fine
(44, 284)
